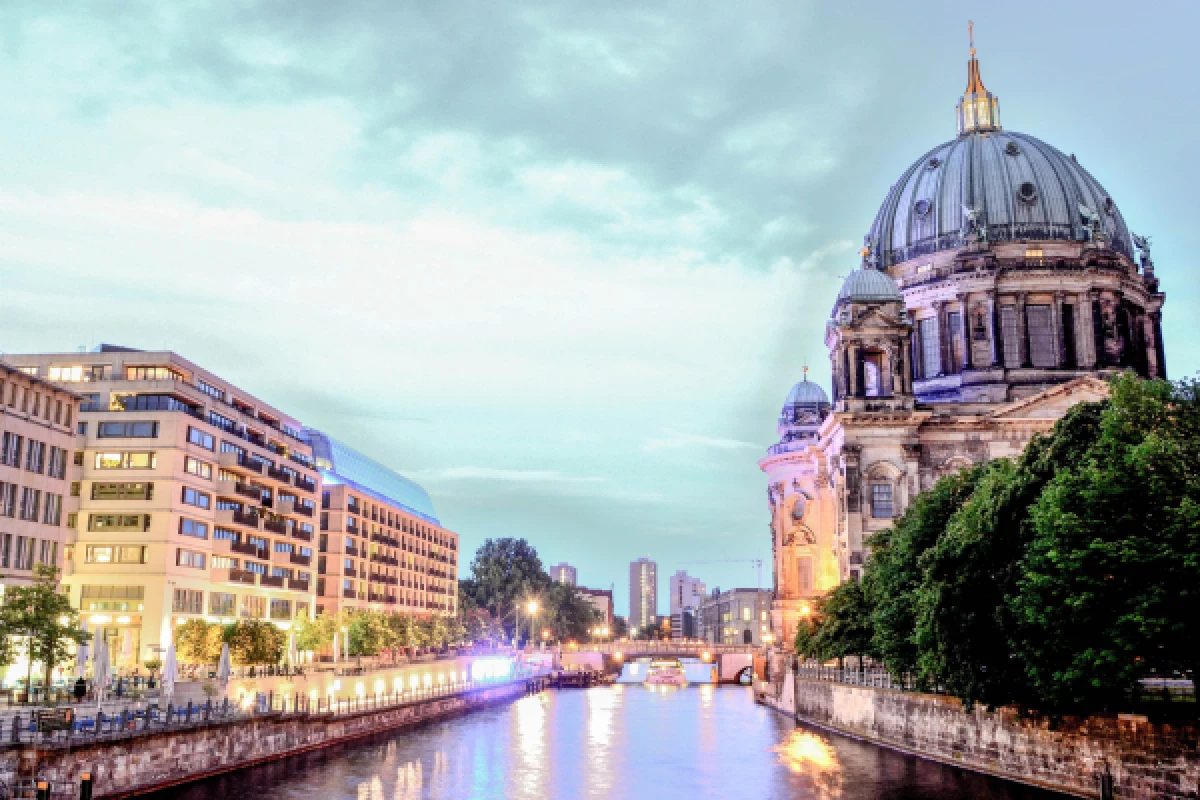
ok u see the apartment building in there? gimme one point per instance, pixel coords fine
(564, 573)
(37, 468)
(643, 595)
(196, 499)
(601, 601)
(737, 616)
(381, 545)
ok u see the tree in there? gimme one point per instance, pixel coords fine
(317, 634)
(506, 574)
(565, 613)
(843, 626)
(44, 618)
(894, 571)
(1112, 573)
(254, 641)
(198, 642)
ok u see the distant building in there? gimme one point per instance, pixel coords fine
(738, 616)
(643, 594)
(564, 573)
(602, 604)
(686, 595)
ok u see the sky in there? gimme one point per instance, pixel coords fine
(559, 263)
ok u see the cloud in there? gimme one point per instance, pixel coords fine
(674, 440)
(531, 476)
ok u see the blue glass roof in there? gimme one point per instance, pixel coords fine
(341, 464)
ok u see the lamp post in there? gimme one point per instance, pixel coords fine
(532, 609)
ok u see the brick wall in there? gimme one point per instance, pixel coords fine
(143, 762)
(1147, 761)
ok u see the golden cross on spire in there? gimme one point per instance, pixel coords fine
(806, 373)
(971, 34)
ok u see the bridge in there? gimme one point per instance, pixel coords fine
(734, 661)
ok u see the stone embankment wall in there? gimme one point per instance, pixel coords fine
(145, 762)
(1146, 761)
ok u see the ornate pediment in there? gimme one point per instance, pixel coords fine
(1052, 403)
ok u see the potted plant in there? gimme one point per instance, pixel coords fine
(152, 666)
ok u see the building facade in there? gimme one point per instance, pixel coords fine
(737, 616)
(37, 471)
(601, 601)
(998, 287)
(643, 595)
(687, 593)
(564, 573)
(381, 545)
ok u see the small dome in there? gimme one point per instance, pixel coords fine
(806, 393)
(868, 285)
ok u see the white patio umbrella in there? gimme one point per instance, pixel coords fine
(81, 655)
(100, 672)
(335, 647)
(223, 667)
(170, 672)
(293, 653)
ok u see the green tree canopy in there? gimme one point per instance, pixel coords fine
(43, 617)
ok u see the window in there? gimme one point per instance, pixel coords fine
(746, 617)
(115, 554)
(118, 522)
(35, 456)
(111, 598)
(126, 460)
(57, 465)
(221, 604)
(31, 500)
(201, 469)
(66, 374)
(152, 402)
(224, 562)
(81, 429)
(152, 374)
(5, 548)
(188, 601)
(284, 547)
(189, 558)
(1010, 336)
(253, 607)
(1043, 350)
(804, 573)
(52, 510)
(195, 498)
(24, 555)
(222, 422)
(210, 390)
(224, 533)
(199, 437)
(191, 527)
(122, 491)
(281, 609)
(10, 450)
(881, 501)
(230, 447)
(254, 566)
(1034, 252)
(931, 351)
(127, 430)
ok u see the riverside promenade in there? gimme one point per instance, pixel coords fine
(140, 750)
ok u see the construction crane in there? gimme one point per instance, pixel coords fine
(757, 562)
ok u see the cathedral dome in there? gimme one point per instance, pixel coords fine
(1018, 188)
(867, 285)
(806, 393)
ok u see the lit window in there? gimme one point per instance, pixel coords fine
(66, 374)
(198, 468)
(881, 501)
(189, 558)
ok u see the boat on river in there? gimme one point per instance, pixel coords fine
(666, 672)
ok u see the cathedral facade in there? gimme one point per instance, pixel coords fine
(999, 286)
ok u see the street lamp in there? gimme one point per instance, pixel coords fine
(532, 608)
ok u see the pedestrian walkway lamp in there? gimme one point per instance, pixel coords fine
(532, 609)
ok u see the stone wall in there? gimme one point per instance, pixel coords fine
(144, 762)
(1147, 761)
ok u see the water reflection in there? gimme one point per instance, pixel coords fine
(611, 743)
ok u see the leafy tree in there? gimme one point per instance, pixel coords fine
(198, 642)
(565, 613)
(506, 574)
(317, 634)
(1112, 575)
(44, 618)
(844, 624)
(254, 641)
(894, 570)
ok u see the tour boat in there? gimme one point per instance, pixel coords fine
(666, 672)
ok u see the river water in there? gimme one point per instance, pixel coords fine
(611, 743)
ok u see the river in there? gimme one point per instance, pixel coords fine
(610, 743)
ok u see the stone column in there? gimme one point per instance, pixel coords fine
(914, 345)
(852, 373)
(997, 330)
(1160, 359)
(912, 476)
(964, 316)
(943, 338)
(1022, 332)
(1056, 323)
(1085, 342)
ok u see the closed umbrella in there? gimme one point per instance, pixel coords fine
(100, 668)
(223, 667)
(293, 654)
(335, 647)
(170, 672)
(81, 655)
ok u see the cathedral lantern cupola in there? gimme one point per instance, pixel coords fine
(977, 109)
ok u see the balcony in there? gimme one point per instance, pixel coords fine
(236, 547)
(297, 585)
(233, 576)
(354, 508)
(306, 484)
(278, 526)
(272, 581)
(296, 558)
(304, 536)
(239, 462)
(294, 508)
(351, 527)
(350, 572)
(349, 594)
(231, 516)
(274, 473)
(351, 550)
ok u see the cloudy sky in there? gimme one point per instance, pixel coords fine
(559, 263)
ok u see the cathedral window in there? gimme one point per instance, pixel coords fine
(881, 501)
(1010, 336)
(931, 352)
(872, 375)
(804, 573)
(954, 321)
(1043, 350)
